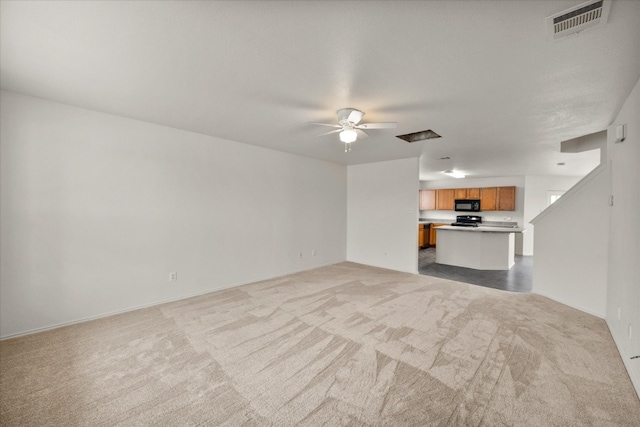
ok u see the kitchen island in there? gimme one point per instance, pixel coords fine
(481, 248)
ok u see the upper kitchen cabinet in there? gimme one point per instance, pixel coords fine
(473, 193)
(506, 199)
(491, 198)
(427, 200)
(460, 193)
(498, 199)
(445, 199)
(488, 198)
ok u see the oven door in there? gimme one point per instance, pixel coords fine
(467, 205)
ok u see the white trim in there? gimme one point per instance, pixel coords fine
(577, 307)
(139, 307)
(602, 167)
(626, 360)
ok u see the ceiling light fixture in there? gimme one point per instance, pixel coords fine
(454, 174)
(349, 123)
(348, 136)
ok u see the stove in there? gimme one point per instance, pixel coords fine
(467, 221)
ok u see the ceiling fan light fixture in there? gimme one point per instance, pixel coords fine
(454, 173)
(348, 136)
(349, 125)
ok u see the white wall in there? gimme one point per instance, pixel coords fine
(97, 210)
(506, 181)
(536, 192)
(382, 212)
(571, 245)
(624, 237)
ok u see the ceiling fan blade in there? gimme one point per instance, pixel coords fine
(355, 116)
(362, 134)
(324, 124)
(349, 115)
(388, 125)
(331, 131)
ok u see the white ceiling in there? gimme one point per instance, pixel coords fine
(480, 73)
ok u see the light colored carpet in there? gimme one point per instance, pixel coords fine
(340, 345)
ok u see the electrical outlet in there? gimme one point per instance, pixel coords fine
(619, 313)
(313, 252)
(173, 276)
(300, 255)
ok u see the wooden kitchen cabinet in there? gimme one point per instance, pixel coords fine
(498, 199)
(427, 200)
(445, 199)
(473, 193)
(423, 235)
(460, 193)
(488, 198)
(491, 198)
(506, 199)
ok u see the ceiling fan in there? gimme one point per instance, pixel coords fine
(349, 125)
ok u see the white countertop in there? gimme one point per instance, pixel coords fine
(436, 221)
(483, 228)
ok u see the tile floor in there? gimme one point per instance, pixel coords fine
(518, 279)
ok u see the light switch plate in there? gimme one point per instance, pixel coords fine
(621, 133)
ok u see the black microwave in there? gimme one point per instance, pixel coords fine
(467, 205)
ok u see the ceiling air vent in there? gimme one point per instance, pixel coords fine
(578, 18)
(419, 136)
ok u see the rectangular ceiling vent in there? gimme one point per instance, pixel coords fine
(578, 18)
(419, 136)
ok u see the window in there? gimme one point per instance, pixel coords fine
(553, 196)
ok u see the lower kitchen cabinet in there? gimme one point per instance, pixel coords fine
(423, 235)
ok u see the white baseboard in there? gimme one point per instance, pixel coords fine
(626, 360)
(577, 307)
(152, 304)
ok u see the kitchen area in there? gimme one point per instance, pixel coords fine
(469, 235)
